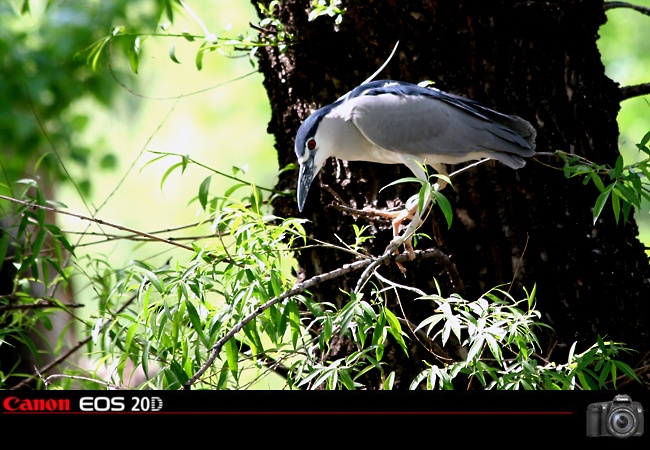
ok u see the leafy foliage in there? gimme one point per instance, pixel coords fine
(502, 350)
(170, 322)
(625, 186)
(329, 8)
(34, 254)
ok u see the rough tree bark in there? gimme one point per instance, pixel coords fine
(535, 59)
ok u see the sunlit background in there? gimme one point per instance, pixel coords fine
(218, 116)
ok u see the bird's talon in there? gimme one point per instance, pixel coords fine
(409, 248)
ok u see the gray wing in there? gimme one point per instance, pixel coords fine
(432, 127)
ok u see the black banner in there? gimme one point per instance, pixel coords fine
(562, 414)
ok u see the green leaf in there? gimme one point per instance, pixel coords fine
(204, 190)
(422, 196)
(294, 322)
(494, 348)
(595, 178)
(627, 370)
(618, 168)
(643, 144)
(389, 382)
(145, 358)
(616, 204)
(379, 336)
(444, 205)
(475, 348)
(196, 323)
(156, 282)
(600, 202)
(172, 54)
(645, 139)
(108, 161)
(25, 9)
(198, 60)
(431, 321)
(347, 380)
(628, 194)
(188, 36)
(168, 172)
(403, 180)
(531, 296)
(613, 372)
(250, 330)
(602, 378)
(4, 244)
(627, 208)
(134, 54)
(232, 356)
(129, 337)
(395, 329)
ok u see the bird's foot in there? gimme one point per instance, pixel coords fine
(398, 217)
(408, 245)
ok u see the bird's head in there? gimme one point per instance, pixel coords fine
(313, 146)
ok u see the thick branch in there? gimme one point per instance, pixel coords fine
(636, 90)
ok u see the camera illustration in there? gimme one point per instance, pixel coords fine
(619, 418)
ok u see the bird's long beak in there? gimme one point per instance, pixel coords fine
(305, 177)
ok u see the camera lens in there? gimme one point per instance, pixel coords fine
(621, 423)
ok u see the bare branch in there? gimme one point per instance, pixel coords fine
(614, 5)
(106, 384)
(43, 303)
(98, 221)
(636, 90)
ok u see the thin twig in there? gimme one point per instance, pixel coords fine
(112, 386)
(521, 258)
(97, 221)
(54, 149)
(366, 214)
(40, 305)
(172, 97)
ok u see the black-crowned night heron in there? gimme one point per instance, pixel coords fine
(395, 122)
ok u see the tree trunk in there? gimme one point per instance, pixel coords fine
(533, 226)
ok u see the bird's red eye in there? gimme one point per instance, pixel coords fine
(311, 144)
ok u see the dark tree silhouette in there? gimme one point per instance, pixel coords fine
(536, 59)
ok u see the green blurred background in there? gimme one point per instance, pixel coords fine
(625, 47)
(213, 115)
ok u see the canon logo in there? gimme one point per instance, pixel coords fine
(35, 404)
